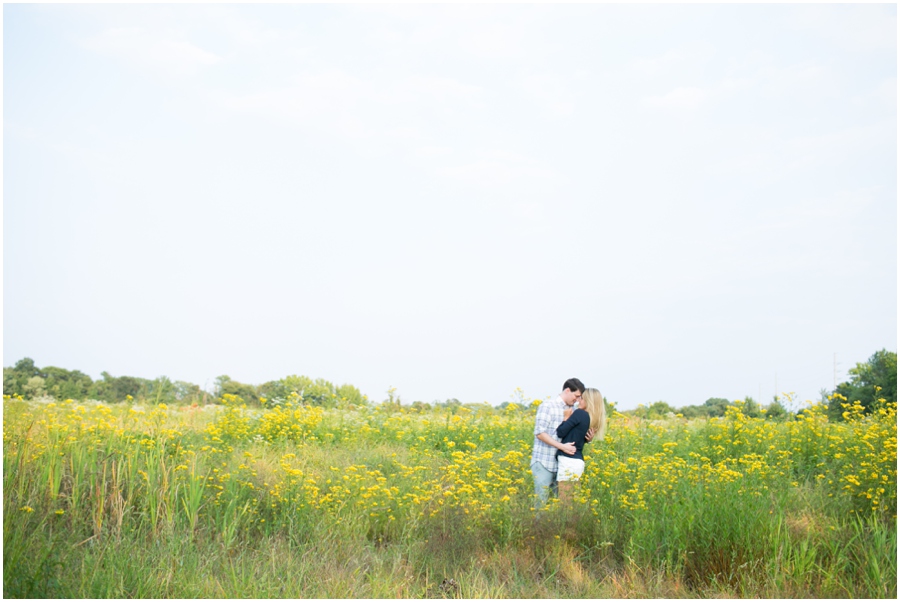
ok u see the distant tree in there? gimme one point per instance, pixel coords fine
(186, 392)
(715, 406)
(511, 406)
(26, 367)
(34, 387)
(319, 392)
(659, 409)
(482, 410)
(273, 392)
(693, 412)
(66, 384)
(26, 379)
(453, 405)
(750, 408)
(59, 383)
(124, 386)
(162, 390)
(869, 381)
(351, 395)
(219, 383)
(119, 388)
(15, 378)
(278, 391)
(11, 384)
(100, 389)
(776, 411)
(420, 407)
(224, 385)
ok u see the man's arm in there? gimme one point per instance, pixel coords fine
(566, 448)
(544, 425)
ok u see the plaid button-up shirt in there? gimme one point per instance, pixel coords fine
(549, 416)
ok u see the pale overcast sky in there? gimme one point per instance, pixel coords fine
(670, 202)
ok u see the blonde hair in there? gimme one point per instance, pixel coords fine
(596, 407)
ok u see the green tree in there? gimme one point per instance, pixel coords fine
(511, 406)
(312, 392)
(56, 382)
(869, 381)
(186, 392)
(119, 388)
(776, 411)
(715, 406)
(481, 410)
(320, 393)
(226, 386)
(351, 395)
(452, 404)
(26, 366)
(420, 407)
(34, 388)
(694, 412)
(751, 409)
(162, 390)
(12, 384)
(16, 377)
(66, 384)
(659, 409)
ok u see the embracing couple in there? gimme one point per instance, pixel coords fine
(561, 428)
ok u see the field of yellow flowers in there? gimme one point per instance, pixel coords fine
(299, 501)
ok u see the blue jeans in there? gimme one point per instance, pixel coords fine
(544, 484)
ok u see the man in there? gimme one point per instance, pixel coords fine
(550, 415)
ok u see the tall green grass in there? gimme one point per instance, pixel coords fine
(299, 502)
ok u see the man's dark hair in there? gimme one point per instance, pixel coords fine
(574, 384)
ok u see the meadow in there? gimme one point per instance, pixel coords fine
(225, 501)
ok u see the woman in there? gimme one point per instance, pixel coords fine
(590, 414)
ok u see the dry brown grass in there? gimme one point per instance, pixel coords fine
(807, 524)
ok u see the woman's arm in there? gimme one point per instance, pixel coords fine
(563, 429)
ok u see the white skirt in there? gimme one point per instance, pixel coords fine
(570, 469)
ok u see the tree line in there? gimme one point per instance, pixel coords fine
(25, 379)
(868, 382)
